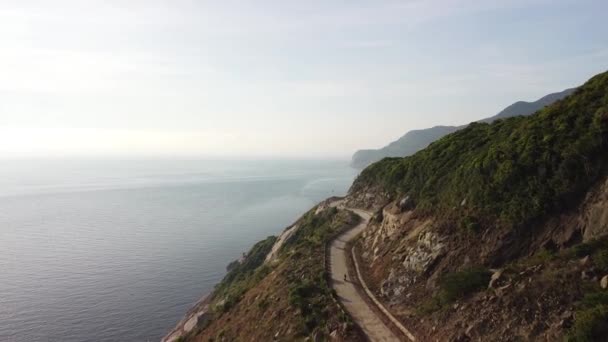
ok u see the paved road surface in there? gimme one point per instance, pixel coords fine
(356, 306)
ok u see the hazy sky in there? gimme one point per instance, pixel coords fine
(276, 78)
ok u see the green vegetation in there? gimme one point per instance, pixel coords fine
(460, 284)
(457, 285)
(588, 248)
(470, 225)
(309, 291)
(299, 290)
(591, 317)
(314, 230)
(513, 170)
(591, 322)
(309, 297)
(242, 275)
(601, 259)
(597, 249)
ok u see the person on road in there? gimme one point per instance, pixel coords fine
(345, 279)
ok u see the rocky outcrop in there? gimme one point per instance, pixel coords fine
(424, 253)
(287, 233)
(407, 203)
(193, 318)
(371, 199)
(406, 254)
(595, 214)
(400, 248)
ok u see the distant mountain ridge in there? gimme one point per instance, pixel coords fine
(416, 140)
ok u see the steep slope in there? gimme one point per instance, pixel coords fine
(495, 232)
(480, 235)
(279, 290)
(416, 140)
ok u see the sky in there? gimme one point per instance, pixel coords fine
(281, 78)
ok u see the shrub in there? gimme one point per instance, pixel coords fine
(591, 318)
(514, 170)
(587, 248)
(590, 325)
(541, 257)
(460, 284)
(244, 274)
(263, 303)
(470, 225)
(310, 298)
(601, 259)
(594, 299)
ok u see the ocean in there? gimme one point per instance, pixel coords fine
(119, 250)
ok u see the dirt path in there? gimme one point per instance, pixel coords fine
(356, 306)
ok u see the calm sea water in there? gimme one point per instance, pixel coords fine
(119, 250)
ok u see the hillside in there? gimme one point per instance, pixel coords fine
(497, 231)
(278, 293)
(416, 140)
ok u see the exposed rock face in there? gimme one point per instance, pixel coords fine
(388, 222)
(370, 199)
(402, 245)
(416, 258)
(195, 316)
(405, 254)
(407, 203)
(595, 216)
(427, 249)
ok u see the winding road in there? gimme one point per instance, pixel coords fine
(348, 295)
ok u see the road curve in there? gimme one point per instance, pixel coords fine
(348, 295)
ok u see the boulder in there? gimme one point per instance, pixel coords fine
(406, 204)
(495, 277)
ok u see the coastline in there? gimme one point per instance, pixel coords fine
(200, 310)
(190, 320)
